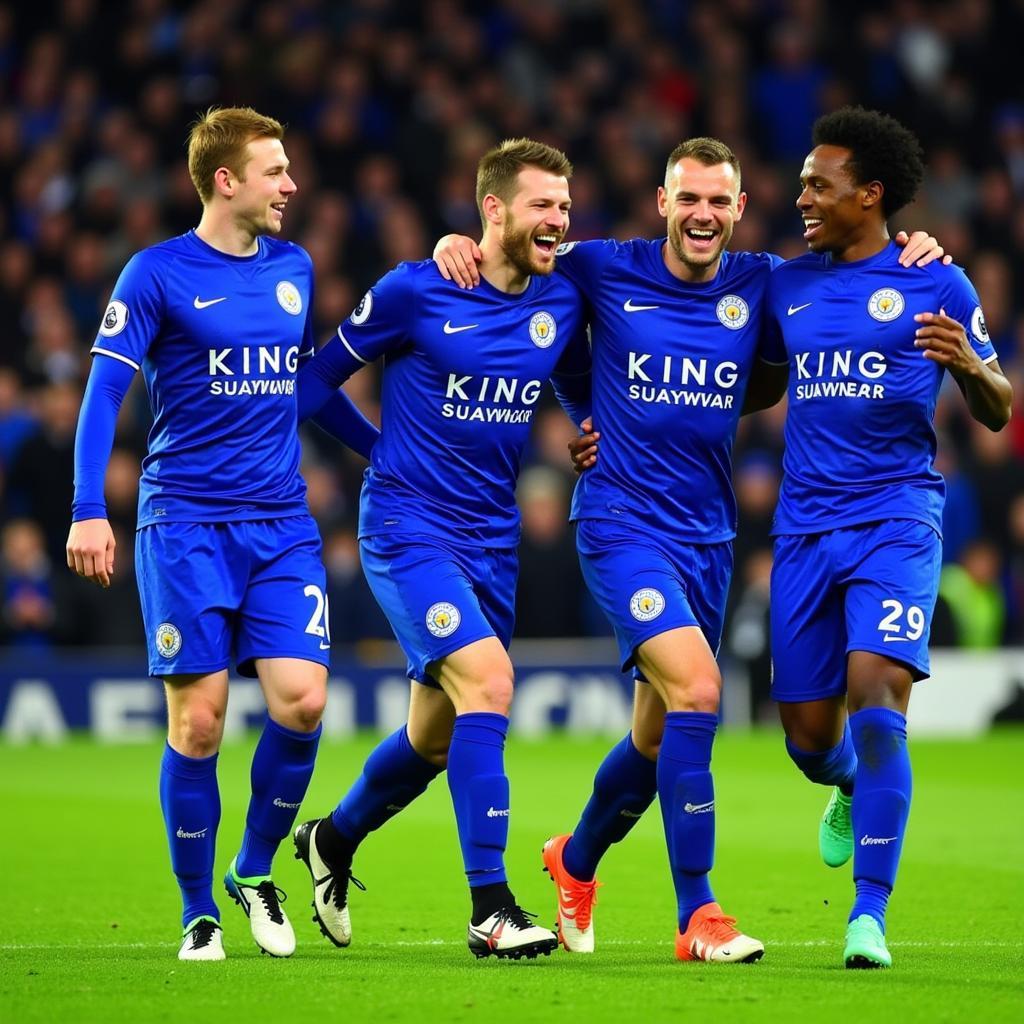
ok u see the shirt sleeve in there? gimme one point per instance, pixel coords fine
(109, 380)
(959, 299)
(133, 316)
(583, 263)
(340, 418)
(572, 378)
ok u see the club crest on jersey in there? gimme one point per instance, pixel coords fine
(646, 604)
(886, 304)
(978, 326)
(542, 330)
(733, 312)
(362, 312)
(168, 639)
(443, 619)
(565, 247)
(115, 319)
(289, 297)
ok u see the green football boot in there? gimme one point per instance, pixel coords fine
(865, 944)
(835, 833)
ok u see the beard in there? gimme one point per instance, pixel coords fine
(517, 245)
(696, 261)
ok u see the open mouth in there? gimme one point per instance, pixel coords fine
(811, 227)
(701, 238)
(278, 208)
(546, 243)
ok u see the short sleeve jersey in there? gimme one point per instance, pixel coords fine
(463, 371)
(671, 365)
(218, 339)
(860, 444)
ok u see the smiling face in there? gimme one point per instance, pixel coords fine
(838, 214)
(701, 204)
(535, 221)
(263, 189)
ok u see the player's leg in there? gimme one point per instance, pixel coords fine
(190, 802)
(189, 646)
(478, 678)
(624, 787)
(809, 680)
(681, 667)
(397, 771)
(890, 600)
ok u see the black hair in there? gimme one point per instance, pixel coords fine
(881, 149)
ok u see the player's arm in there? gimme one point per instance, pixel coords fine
(571, 379)
(90, 545)
(920, 249)
(988, 393)
(457, 257)
(340, 418)
(768, 383)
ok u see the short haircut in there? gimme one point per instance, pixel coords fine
(218, 139)
(708, 152)
(498, 171)
(881, 149)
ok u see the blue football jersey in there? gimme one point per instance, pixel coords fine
(463, 371)
(671, 366)
(218, 339)
(860, 444)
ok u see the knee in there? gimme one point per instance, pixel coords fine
(304, 713)
(435, 753)
(697, 693)
(887, 690)
(196, 731)
(648, 743)
(493, 694)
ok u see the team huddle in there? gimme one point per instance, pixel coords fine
(654, 348)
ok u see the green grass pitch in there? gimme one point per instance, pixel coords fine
(90, 931)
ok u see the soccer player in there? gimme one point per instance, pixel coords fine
(676, 332)
(227, 555)
(439, 525)
(858, 543)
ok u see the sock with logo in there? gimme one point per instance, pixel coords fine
(836, 766)
(687, 795)
(281, 769)
(190, 803)
(393, 776)
(480, 794)
(624, 787)
(881, 806)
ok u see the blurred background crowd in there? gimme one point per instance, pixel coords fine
(389, 105)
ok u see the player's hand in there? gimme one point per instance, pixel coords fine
(91, 550)
(945, 342)
(920, 249)
(583, 449)
(457, 257)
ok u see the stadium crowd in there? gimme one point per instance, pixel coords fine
(389, 107)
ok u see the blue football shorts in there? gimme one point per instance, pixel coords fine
(646, 586)
(870, 587)
(440, 596)
(213, 593)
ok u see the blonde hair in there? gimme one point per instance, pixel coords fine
(218, 139)
(498, 171)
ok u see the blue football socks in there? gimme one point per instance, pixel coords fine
(687, 795)
(480, 794)
(834, 767)
(281, 769)
(393, 776)
(624, 786)
(190, 803)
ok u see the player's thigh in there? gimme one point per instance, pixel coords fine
(893, 581)
(477, 677)
(681, 667)
(808, 626)
(295, 691)
(196, 705)
(427, 593)
(639, 587)
(648, 720)
(284, 613)
(431, 720)
(190, 586)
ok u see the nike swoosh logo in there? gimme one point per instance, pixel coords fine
(895, 639)
(325, 647)
(630, 308)
(448, 329)
(201, 304)
(796, 309)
